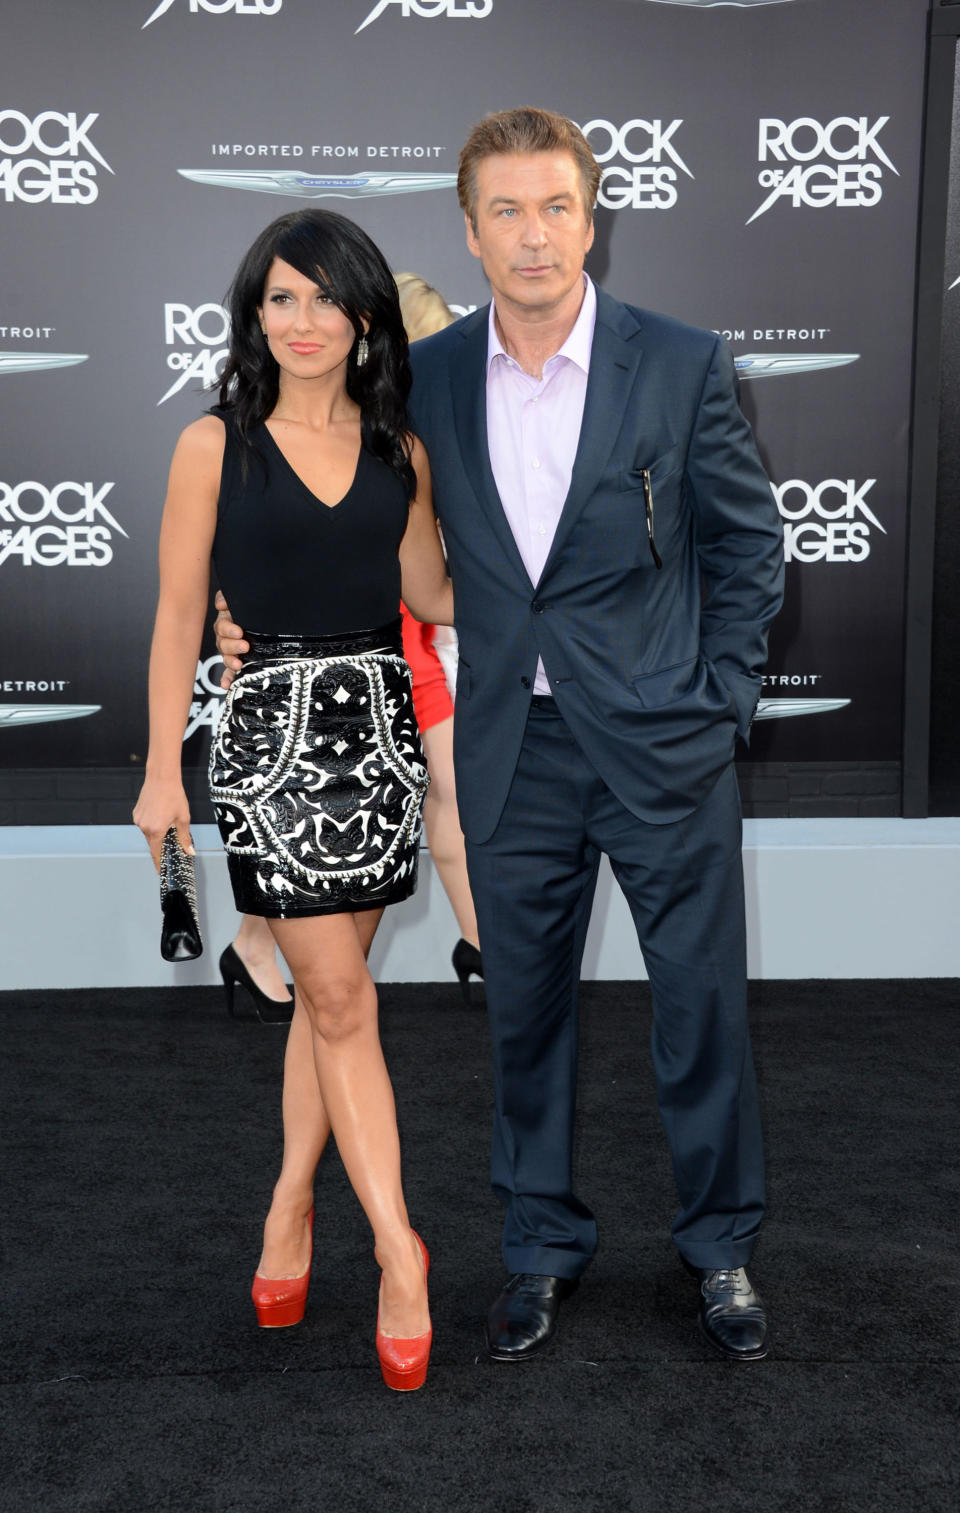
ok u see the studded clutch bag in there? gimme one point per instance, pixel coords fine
(180, 932)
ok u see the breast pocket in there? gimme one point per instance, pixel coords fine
(658, 468)
(654, 491)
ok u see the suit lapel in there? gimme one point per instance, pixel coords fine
(468, 385)
(614, 362)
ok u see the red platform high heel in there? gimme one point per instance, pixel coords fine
(281, 1301)
(404, 1362)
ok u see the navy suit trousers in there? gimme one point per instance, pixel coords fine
(533, 883)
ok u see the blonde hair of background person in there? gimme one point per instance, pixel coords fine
(424, 310)
(251, 959)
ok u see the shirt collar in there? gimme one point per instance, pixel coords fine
(578, 344)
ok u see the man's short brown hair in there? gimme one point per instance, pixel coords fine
(525, 129)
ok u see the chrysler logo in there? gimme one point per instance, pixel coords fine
(769, 365)
(320, 186)
(14, 715)
(30, 362)
(706, 5)
(785, 709)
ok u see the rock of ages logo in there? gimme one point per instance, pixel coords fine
(217, 8)
(196, 339)
(828, 521)
(208, 697)
(640, 163)
(56, 525)
(49, 157)
(429, 10)
(811, 165)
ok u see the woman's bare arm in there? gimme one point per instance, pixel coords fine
(186, 540)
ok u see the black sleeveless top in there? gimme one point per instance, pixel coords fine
(291, 565)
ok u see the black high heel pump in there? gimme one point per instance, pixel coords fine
(467, 963)
(267, 1010)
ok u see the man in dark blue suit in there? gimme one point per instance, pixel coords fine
(617, 559)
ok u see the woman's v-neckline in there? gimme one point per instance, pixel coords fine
(305, 486)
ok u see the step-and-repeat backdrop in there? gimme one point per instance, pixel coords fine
(945, 714)
(760, 177)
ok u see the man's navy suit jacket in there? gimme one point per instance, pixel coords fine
(655, 671)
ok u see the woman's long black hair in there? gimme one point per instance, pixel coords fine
(349, 269)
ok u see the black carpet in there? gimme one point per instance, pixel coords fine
(141, 1143)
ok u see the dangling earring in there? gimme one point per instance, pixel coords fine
(363, 351)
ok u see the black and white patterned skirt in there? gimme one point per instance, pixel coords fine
(318, 777)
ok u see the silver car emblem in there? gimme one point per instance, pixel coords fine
(785, 709)
(13, 715)
(30, 362)
(770, 365)
(706, 5)
(320, 186)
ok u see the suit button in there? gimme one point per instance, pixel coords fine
(524, 682)
(538, 606)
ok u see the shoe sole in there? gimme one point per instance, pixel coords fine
(520, 1355)
(283, 1317)
(404, 1381)
(733, 1355)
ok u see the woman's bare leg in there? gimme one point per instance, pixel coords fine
(306, 1129)
(339, 1000)
(442, 823)
(257, 949)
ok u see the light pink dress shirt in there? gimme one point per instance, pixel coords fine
(533, 429)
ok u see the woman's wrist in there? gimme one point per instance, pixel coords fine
(162, 774)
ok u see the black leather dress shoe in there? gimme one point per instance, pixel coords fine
(524, 1316)
(731, 1314)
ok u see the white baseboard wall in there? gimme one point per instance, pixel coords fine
(837, 898)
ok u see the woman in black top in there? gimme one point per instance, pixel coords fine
(314, 500)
